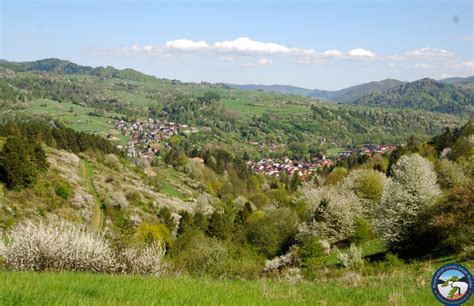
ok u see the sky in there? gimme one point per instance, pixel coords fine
(312, 44)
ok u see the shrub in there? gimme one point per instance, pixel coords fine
(273, 233)
(350, 258)
(58, 246)
(333, 213)
(450, 174)
(392, 261)
(336, 176)
(453, 219)
(154, 233)
(362, 232)
(366, 184)
(311, 248)
(200, 255)
(63, 191)
(405, 201)
(144, 261)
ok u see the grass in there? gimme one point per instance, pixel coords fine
(87, 174)
(76, 116)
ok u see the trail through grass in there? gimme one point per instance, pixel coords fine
(87, 174)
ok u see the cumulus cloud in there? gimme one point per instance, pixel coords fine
(361, 53)
(186, 45)
(244, 47)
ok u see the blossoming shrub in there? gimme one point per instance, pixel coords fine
(350, 258)
(405, 203)
(67, 246)
(333, 212)
(58, 246)
(144, 261)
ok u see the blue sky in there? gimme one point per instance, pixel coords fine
(314, 44)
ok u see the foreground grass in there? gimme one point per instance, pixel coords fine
(396, 288)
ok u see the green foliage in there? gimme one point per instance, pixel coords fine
(336, 176)
(21, 162)
(63, 190)
(310, 248)
(165, 216)
(362, 232)
(149, 233)
(273, 233)
(453, 219)
(426, 94)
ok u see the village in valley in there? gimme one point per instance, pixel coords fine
(273, 167)
(145, 140)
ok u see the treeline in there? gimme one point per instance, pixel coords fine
(56, 135)
(22, 157)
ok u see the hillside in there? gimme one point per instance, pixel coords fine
(91, 103)
(58, 66)
(425, 94)
(345, 95)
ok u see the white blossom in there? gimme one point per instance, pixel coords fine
(410, 192)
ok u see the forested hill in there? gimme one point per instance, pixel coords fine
(58, 66)
(424, 94)
(345, 95)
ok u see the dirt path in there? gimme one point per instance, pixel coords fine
(87, 174)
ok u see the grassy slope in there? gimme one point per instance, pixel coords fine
(27, 288)
(87, 174)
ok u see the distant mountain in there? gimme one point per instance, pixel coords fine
(346, 95)
(424, 94)
(54, 65)
(283, 89)
(458, 80)
(351, 94)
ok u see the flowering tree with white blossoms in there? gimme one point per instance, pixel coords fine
(334, 213)
(405, 198)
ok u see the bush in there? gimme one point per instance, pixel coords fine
(145, 261)
(311, 248)
(333, 213)
(200, 255)
(362, 232)
(450, 174)
(392, 261)
(58, 246)
(351, 258)
(273, 233)
(63, 191)
(405, 202)
(453, 219)
(154, 233)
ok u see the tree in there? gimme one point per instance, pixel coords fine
(333, 213)
(273, 232)
(405, 201)
(21, 162)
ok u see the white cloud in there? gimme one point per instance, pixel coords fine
(427, 53)
(264, 61)
(186, 45)
(361, 53)
(244, 47)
